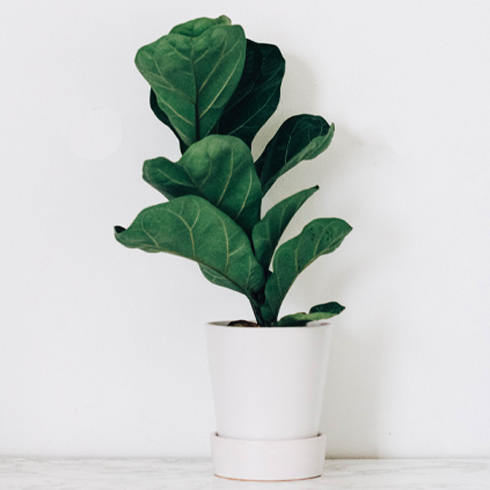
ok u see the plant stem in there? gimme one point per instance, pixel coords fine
(258, 315)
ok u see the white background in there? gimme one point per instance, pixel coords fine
(102, 348)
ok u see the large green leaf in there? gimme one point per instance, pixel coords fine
(191, 227)
(318, 312)
(194, 71)
(257, 95)
(319, 237)
(267, 232)
(218, 168)
(299, 138)
(255, 99)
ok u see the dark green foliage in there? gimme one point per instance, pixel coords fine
(257, 94)
(317, 313)
(254, 100)
(319, 237)
(201, 232)
(268, 231)
(299, 138)
(215, 90)
(218, 168)
(194, 72)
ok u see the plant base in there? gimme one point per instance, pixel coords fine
(280, 460)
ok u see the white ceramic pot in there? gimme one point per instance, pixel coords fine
(268, 386)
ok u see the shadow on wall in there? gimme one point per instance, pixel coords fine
(360, 276)
(357, 176)
(355, 388)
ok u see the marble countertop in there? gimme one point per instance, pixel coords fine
(185, 474)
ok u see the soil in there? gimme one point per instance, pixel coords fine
(243, 323)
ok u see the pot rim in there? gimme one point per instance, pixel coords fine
(224, 324)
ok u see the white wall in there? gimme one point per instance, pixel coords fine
(101, 347)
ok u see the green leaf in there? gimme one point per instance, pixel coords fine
(319, 237)
(194, 71)
(191, 227)
(164, 119)
(299, 138)
(318, 312)
(267, 232)
(218, 168)
(257, 95)
(333, 308)
(168, 177)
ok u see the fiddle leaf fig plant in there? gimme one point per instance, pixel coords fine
(215, 90)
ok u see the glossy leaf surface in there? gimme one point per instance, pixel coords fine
(299, 138)
(218, 168)
(194, 71)
(257, 95)
(319, 237)
(268, 231)
(318, 312)
(191, 227)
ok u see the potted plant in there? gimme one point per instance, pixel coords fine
(215, 89)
